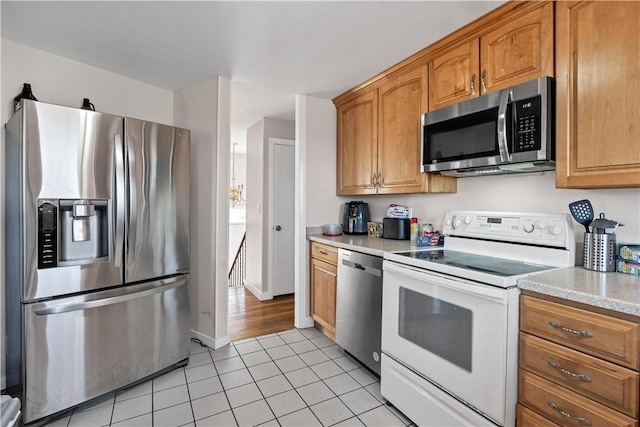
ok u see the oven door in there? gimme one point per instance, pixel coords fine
(460, 335)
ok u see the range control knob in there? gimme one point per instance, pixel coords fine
(448, 221)
(556, 230)
(542, 224)
(457, 223)
(467, 220)
(528, 227)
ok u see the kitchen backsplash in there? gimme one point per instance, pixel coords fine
(534, 192)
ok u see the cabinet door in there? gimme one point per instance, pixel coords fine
(323, 293)
(402, 102)
(519, 50)
(453, 75)
(598, 93)
(357, 145)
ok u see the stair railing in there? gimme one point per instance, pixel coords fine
(237, 272)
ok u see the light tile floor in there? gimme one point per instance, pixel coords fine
(293, 378)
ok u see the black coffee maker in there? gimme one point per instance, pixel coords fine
(355, 217)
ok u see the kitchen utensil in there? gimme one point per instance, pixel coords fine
(582, 212)
(600, 225)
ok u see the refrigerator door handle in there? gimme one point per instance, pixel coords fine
(132, 215)
(79, 306)
(120, 197)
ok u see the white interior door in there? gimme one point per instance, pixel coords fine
(282, 167)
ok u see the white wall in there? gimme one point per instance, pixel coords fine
(255, 208)
(323, 205)
(197, 108)
(60, 81)
(258, 199)
(315, 187)
(534, 192)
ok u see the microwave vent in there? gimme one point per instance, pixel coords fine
(512, 168)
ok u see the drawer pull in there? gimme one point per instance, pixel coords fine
(583, 334)
(581, 420)
(581, 377)
(324, 252)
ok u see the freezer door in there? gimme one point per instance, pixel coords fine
(82, 347)
(157, 159)
(59, 157)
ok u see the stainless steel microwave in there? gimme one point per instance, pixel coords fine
(507, 131)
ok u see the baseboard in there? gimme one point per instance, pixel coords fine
(262, 296)
(304, 322)
(211, 342)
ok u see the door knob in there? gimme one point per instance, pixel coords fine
(278, 228)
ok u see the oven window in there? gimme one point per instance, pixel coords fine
(437, 326)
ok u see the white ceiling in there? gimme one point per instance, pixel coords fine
(270, 50)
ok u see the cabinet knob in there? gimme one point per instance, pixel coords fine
(278, 228)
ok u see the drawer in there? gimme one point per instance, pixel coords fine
(565, 407)
(605, 382)
(525, 417)
(325, 253)
(603, 336)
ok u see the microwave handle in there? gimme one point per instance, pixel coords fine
(505, 98)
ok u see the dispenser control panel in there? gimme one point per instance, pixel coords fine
(47, 233)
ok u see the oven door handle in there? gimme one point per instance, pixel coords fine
(456, 284)
(503, 144)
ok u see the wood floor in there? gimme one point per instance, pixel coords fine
(249, 317)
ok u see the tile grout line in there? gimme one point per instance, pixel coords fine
(256, 382)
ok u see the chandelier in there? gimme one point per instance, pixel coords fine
(235, 193)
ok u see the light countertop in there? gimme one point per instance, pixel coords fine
(375, 246)
(614, 291)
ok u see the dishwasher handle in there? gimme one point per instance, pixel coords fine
(365, 268)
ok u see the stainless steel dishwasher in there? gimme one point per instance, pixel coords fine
(359, 307)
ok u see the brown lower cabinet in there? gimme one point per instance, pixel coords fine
(324, 273)
(577, 367)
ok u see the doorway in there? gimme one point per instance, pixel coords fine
(271, 309)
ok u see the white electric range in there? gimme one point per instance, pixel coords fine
(450, 315)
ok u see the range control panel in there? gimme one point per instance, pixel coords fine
(47, 233)
(543, 229)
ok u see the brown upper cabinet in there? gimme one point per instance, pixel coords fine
(358, 145)
(379, 139)
(502, 53)
(598, 94)
(379, 122)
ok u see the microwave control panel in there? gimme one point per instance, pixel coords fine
(527, 124)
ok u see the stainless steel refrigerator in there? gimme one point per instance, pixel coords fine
(97, 245)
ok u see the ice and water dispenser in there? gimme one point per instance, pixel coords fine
(72, 232)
